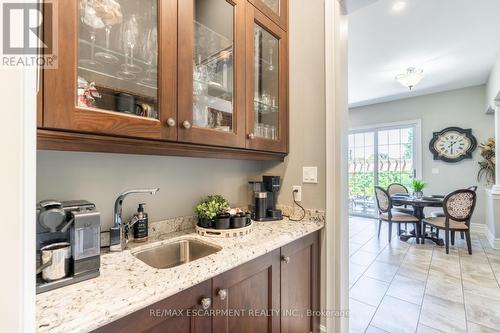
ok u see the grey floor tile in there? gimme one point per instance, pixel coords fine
(443, 314)
(373, 329)
(407, 289)
(426, 329)
(360, 315)
(395, 315)
(475, 328)
(381, 271)
(363, 258)
(483, 310)
(369, 291)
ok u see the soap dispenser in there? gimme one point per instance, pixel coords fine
(140, 223)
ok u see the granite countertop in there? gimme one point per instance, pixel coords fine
(126, 284)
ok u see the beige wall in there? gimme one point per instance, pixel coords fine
(99, 178)
(307, 104)
(463, 108)
(493, 85)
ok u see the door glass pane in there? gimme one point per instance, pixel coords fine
(118, 56)
(213, 60)
(273, 4)
(388, 159)
(395, 157)
(362, 173)
(266, 86)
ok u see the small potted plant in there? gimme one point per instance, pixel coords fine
(418, 186)
(211, 212)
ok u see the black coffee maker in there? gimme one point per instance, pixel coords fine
(265, 199)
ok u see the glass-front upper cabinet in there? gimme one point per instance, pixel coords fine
(266, 83)
(111, 54)
(211, 72)
(276, 10)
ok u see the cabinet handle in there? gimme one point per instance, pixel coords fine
(186, 124)
(205, 303)
(251, 136)
(222, 294)
(286, 260)
(171, 122)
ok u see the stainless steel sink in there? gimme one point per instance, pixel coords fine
(176, 253)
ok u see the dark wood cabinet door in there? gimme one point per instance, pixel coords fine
(180, 313)
(129, 55)
(300, 285)
(267, 83)
(276, 10)
(251, 298)
(211, 73)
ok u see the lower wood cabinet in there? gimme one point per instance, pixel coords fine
(173, 314)
(300, 285)
(250, 293)
(274, 293)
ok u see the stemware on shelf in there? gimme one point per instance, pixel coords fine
(90, 19)
(130, 35)
(105, 56)
(111, 15)
(150, 54)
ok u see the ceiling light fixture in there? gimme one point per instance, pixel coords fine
(411, 78)
(399, 6)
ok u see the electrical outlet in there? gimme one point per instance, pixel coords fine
(298, 195)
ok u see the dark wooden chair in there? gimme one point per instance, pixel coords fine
(386, 213)
(397, 188)
(458, 208)
(440, 213)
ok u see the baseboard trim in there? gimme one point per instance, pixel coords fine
(494, 242)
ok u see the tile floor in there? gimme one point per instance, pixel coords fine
(405, 287)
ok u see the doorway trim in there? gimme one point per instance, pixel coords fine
(336, 249)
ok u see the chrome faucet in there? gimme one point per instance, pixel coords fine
(118, 240)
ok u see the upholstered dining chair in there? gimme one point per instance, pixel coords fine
(440, 213)
(458, 207)
(387, 214)
(397, 188)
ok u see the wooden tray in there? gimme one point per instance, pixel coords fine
(224, 233)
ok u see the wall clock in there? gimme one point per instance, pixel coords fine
(453, 144)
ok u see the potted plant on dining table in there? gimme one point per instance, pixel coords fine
(418, 186)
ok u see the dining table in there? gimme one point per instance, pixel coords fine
(419, 204)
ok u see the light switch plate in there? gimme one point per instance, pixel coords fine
(310, 175)
(435, 171)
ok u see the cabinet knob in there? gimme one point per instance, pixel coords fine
(171, 122)
(186, 124)
(286, 260)
(206, 302)
(222, 294)
(251, 136)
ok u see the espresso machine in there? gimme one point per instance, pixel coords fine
(68, 245)
(265, 194)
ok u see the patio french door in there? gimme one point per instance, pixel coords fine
(380, 156)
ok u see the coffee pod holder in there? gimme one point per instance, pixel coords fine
(225, 233)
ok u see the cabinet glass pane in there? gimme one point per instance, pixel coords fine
(273, 4)
(118, 56)
(266, 89)
(213, 65)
